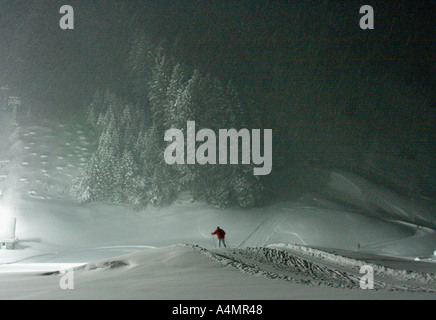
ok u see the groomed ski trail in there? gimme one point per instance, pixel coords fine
(310, 269)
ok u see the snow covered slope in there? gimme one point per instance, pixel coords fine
(42, 158)
(355, 190)
(191, 272)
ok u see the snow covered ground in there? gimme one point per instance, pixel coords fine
(186, 272)
(298, 249)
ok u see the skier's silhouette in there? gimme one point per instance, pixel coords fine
(221, 235)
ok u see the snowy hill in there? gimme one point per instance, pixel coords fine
(42, 157)
(190, 272)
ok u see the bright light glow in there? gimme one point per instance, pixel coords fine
(5, 212)
(7, 224)
(37, 267)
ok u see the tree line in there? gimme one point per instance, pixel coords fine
(128, 164)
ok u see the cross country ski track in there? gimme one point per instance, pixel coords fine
(316, 268)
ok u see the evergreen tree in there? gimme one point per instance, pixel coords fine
(139, 65)
(91, 118)
(175, 89)
(158, 89)
(94, 109)
(127, 171)
(235, 112)
(128, 129)
(128, 164)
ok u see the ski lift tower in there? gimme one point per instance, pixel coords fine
(7, 233)
(4, 98)
(14, 104)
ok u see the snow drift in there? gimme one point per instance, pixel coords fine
(192, 272)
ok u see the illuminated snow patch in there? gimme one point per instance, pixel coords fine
(37, 267)
(7, 225)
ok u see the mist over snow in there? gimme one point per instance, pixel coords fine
(341, 119)
(56, 232)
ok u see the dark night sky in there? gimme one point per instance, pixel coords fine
(272, 49)
(328, 89)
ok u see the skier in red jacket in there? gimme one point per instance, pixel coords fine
(220, 233)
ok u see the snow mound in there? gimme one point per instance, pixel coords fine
(342, 261)
(105, 265)
(192, 272)
(279, 263)
(382, 200)
(356, 192)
